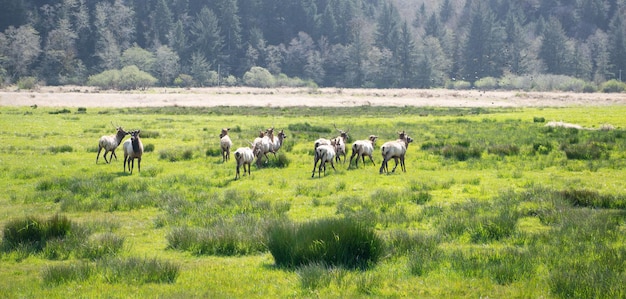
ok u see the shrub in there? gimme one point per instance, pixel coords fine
(612, 86)
(460, 152)
(174, 155)
(588, 151)
(306, 127)
(458, 85)
(28, 83)
(148, 148)
(184, 80)
(258, 77)
(542, 147)
(503, 149)
(334, 242)
(486, 83)
(539, 119)
(58, 274)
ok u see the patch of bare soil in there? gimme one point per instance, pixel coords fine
(79, 96)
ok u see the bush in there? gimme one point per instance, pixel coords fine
(504, 149)
(184, 80)
(333, 242)
(130, 77)
(588, 151)
(460, 152)
(458, 85)
(306, 127)
(487, 83)
(28, 83)
(258, 77)
(613, 86)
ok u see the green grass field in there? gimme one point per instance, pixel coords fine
(493, 204)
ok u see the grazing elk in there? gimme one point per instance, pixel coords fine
(110, 143)
(340, 144)
(133, 149)
(362, 148)
(225, 144)
(396, 150)
(323, 153)
(245, 156)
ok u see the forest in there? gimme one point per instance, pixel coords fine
(326, 43)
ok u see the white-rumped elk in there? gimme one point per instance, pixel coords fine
(225, 144)
(264, 144)
(396, 150)
(245, 156)
(110, 143)
(277, 141)
(340, 144)
(324, 153)
(362, 148)
(133, 149)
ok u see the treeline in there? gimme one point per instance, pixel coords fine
(342, 43)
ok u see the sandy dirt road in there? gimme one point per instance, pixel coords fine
(75, 96)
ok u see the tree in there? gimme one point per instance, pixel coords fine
(199, 68)
(554, 51)
(205, 33)
(20, 47)
(60, 63)
(617, 46)
(482, 49)
(166, 67)
(230, 30)
(406, 56)
(162, 23)
(387, 28)
(139, 57)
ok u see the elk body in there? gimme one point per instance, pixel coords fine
(245, 156)
(323, 153)
(362, 148)
(110, 143)
(133, 149)
(396, 150)
(340, 144)
(264, 144)
(225, 144)
(277, 141)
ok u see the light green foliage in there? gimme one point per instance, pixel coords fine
(500, 216)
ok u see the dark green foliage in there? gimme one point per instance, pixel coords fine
(503, 149)
(306, 127)
(34, 233)
(176, 154)
(334, 242)
(62, 111)
(537, 119)
(61, 149)
(148, 148)
(150, 134)
(592, 199)
(214, 152)
(460, 152)
(542, 147)
(587, 151)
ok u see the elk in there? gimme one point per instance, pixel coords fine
(277, 141)
(340, 144)
(225, 144)
(245, 156)
(323, 153)
(396, 150)
(133, 149)
(264, 143)
(362, 148)
(110, 143)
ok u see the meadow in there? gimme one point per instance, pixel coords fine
(493, 204)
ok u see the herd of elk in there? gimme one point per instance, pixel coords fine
(325, 150)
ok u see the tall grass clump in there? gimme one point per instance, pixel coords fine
(137, 270)
(33, 233)
(587, 151)
(59, 274)
(334, 242)
(503, 266)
